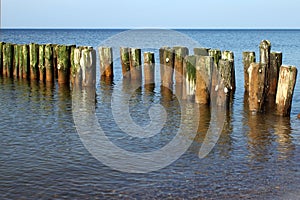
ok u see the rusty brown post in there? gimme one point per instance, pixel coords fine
(106, 61)
(34, 57)
(201, 51)
(49, 63)
(8, 52)
(248, 58)
(88, 67)
(135, 64)
(189, 72)
(63, 64)
(180, 53)
(125, 61)
(149, 68)
(285, 90)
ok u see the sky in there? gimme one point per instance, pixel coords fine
(150, 14)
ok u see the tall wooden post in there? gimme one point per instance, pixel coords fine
(204, 65)
(8, 52)
(180, 53)
(125, 61)
(63, 64)
(34, 57)
(167, 66)
(135, 64)
(149, 68)
(25, 62)
(265, 50)
(88, 66)
(41, 65)
(248, 58)
(285, 90)
(16, 61)
(275, 63)
(257, 75)
(201, 51)
(189, 71)
(49, 63)
(106, 61)
(1, 58)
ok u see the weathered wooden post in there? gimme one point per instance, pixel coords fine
(25, 62)
(161, 62)
(149, 68)
(1, 58)
(257, 75)
(224, 86)
(216, 54)
(135, 64)
(16, 61)
(265, 51)
(229, 55)
(63, 64)
(76, 71)
(201, 51)
(167, 67)
(285, 90)
(8, 52)
(248, 58)
(88, 66)
(189, 71)
(106, 61)
(275, 63)
(41, 63)
(204, 66)
(55, 61)
(180, 53)
(125, 61)
(49, 63)
(34, 57)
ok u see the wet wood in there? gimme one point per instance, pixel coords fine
(201, 51)
(216, 54)
(41, 65)
(180, 53)
(34, 58)
(149, 68)
(204, 66)
(189, 72)
(88, 66)
(224, 87)
(167, 66)
(264, 53)
(1, 58)
(63, 64)
(49, 68)
(106, 61)
(248, 58)
(16, 61)
(273, 74)
(25, 62)
(125, 62)
(8, 52)
(135, 64)
(229, 55)
(285, 90)
(76, 72)
(257, 72)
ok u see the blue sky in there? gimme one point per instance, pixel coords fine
(154, 13)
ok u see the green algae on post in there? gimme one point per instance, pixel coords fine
(49, 69)
(34, 56)
(180, 53)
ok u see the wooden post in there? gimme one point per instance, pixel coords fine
(201, 51)
(285, 90)
(16, 61)
(8, 59)
(265, 50)
(257, 75)
(216, 54)
(1, 58)
(125, 61)
(248, 58)
(275, 63)
(55, 61)
(204, 66)
(135, 64)
(224, 86)
(229, 55)
(76, 71)
(161, 62)
(88, 66)
(41, 65)
(72, 50)
(180, 53)
(106, 61)
(189, 71)
(49, 63)
(25, 62)
(20, 54)
(149, 68)
(34, 57)
(167, 67)
(63, 64)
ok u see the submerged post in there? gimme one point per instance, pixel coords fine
(189, 71)
(88, 66)
(180, 53)
(41, 65)
(257, 75)
(149, 68)
(34, 56)
(285, 90)
(106, 62)
(63, 64)
(135, 64)
(8, 59)
(248, 58)
(49, 63)
(125, 61)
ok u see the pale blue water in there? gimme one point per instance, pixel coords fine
(42, 156)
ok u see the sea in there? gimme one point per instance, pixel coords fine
(44, 153)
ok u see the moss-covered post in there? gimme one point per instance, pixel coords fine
(88, 66)
(49, 63)
(16, 61)
(168, 58)
(257, 75)
(76, 71)
(248, 58)
(34, 59)
(285, 90)
(106, 62)
(275, 63)
(125, 62)
(63, 64)
(72, 49)
(149, 68)
(25, 62)
(180, 53)
(135, 64)
(55, 62)
(201, 51)
(1, 58)
(204, 65)
(41, 64)
(8, 52)
(189, 71)
(20, 71)
(216, 54)
(229, 56)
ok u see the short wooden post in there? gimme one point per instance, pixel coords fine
(229, 55)
(34, 57)
(201, 51)
(257, 75)
(41, 64)
(275, 63)
(25, 62)
(180, 53)
(285, 90)
(106, 61)
(63, 64)
(76, 71)
(167, 67)
(16, 61)
(248, 58)
(125, 61)
(204, 65)
(189, 71)
(149, 68)
(88, 66)
(8, 52)
(49, 63)
(135, 64)
(1, 58)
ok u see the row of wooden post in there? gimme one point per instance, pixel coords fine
(47, 62)
(269, 85)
